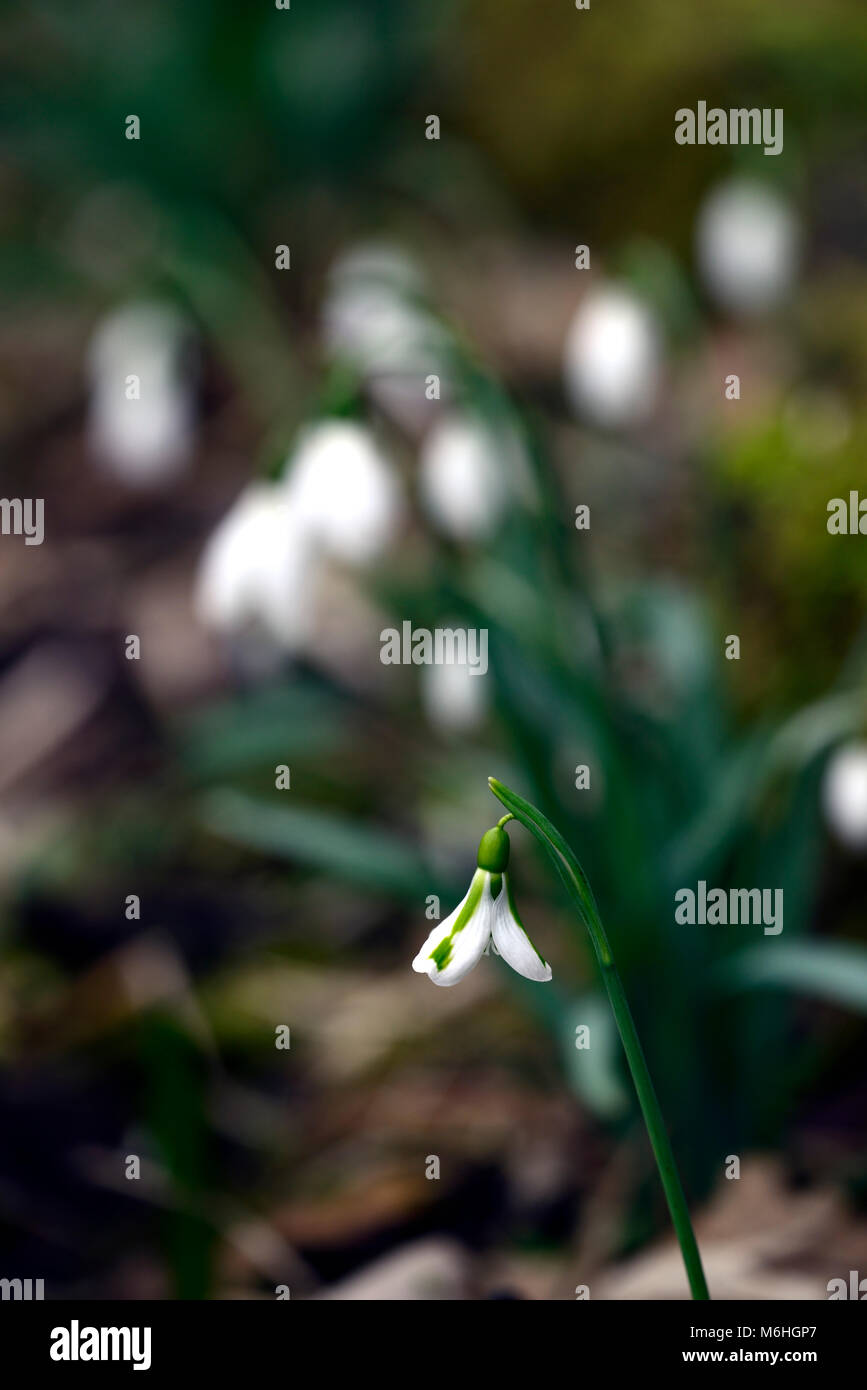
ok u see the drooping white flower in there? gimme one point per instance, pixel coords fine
(747, 246)
(612, 358)
(265, 565)
(465, 476)
(141, 411)
(485, 917)
(375, 319)
(259, 569)
(372, 314)
(844, 794)
(344, 490)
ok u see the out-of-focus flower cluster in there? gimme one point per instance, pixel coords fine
(339, 501)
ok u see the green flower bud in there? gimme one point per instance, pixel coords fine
(494, 851)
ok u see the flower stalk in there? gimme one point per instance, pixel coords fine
(578, 888)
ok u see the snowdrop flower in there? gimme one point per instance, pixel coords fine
(612, 358)
(486, 916)
(844, 794)
(463, 477)
(375, 320)
(265, 564)
(747, 243)
(141, 405)
(344, 491)
(259, 569)
(370, 317)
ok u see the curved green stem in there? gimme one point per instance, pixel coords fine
(579, 890)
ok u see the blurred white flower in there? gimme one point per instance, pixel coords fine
(844, 794)
(747, 246)
(265, 565)
(612, 358)
(453, 698)
(464, 476)
(486, 916)
(370, 317)
(259, 569)
(141, 412)
(344, 490)
(374, 319)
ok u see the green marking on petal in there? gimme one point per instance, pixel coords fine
(442, 952)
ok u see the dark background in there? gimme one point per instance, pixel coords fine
(155, 777)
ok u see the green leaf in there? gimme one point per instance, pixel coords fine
(701, 845)
(340, 848)
(594, 1071)
(272, 725)
(829, 970)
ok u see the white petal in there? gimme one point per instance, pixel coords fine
(374, 316)
(462, 478)
(225, 577)
(512, 942)
(344, 490)
(259, 568)
(747, 243)
(287, 578)
(844, 794)
(468, 944)
(148, 438)
(612, 358)
(422, 962)
(454, 697)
